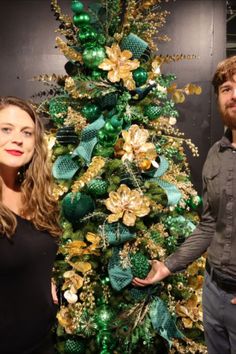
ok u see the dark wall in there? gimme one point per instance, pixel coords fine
(27, 43)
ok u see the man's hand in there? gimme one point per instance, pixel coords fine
(158, 272)
(233, 301)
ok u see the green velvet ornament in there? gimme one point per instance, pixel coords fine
(80, 19)
(77, 6)
(97, 187)
(152, 111)
(87, 34)
(92, 57)
(139, 265)
(91, 111)
(140, 76)
(75, 206)
(75, 346)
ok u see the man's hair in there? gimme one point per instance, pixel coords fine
(225, 71)
(36, 187)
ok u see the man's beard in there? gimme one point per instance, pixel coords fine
(229, 119)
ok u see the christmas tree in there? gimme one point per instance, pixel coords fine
(123, 182)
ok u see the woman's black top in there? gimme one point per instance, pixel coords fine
(27, 311)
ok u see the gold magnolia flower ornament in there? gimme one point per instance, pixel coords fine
(120, 66)
(137, 148)
(126, 204)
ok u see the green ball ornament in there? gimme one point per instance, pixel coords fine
(97, 187)
(77, 6)
(140, 76)
(80, 19)
(110, 129)
(75, 206)
(152, 111)
(139, 265)
(75, 346)
(87, 34)
(91, 111)
(96, 74)
(116, 122)
(92, 57)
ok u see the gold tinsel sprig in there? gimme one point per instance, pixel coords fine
(76, 119)
(166, 59)
(69, 53)
(93, 171)
(67, 27)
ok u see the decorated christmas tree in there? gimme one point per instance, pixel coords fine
(123, 182)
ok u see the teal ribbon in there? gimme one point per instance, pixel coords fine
(64, 167)
(88, 140)
(117, 234)
(119, 277)
(134, 44)
(172, 192)
(163, 322)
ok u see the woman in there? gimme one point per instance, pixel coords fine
(29, 229)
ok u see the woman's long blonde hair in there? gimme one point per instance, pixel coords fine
(37, 200)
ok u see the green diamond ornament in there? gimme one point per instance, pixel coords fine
(139, 265)
(152, 111)
(97, 187)
(75, 346)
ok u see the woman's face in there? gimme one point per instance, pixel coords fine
(17, 137)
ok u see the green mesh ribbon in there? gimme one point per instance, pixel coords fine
(163, 322)
(172, 192)
(64, 167)
(134, 44)
(88, 140)
(119, 277)
(117, 234)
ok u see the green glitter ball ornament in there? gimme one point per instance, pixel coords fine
(75, 346)
(152, 111)
(77, 6)
(58, 107)
(80, 19)
(139, 265)
(97, 187)
(140, 76)
(92, 57)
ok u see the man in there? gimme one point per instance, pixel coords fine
(216, 231)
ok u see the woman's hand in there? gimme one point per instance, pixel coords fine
(54, 292)
(233, 301)
(158, 272)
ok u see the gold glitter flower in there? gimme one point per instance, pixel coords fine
(65, 319)
(127, 204)
(73, 281)
(190, 311)
(120, 66)
(137, 148)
